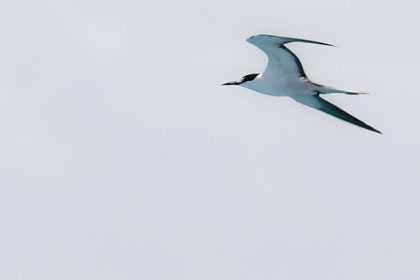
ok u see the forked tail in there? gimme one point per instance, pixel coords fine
(326, 90)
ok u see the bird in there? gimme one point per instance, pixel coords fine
(284, 76)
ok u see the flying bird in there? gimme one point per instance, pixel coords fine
(284, 76)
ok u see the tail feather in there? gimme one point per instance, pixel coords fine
(325, 90)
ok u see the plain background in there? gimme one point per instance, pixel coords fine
(123, 157)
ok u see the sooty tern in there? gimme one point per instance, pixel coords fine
(284, 76)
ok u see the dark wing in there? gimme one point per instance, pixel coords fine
(281, 61)
(318, 103)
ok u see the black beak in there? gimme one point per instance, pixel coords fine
(230, 84)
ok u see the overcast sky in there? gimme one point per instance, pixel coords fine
(123, 157)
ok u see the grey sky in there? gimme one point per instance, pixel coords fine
(122, 157)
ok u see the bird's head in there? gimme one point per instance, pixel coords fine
(243, 81)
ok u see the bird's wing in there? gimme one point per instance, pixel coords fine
(315, 101)
(281, 61)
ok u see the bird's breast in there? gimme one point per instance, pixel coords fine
(276, 86)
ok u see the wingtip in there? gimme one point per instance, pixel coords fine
(319, 43)
(286, 40)
(329, 45)
(375, 130)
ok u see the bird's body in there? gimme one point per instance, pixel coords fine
(280, 86)
(284, 76)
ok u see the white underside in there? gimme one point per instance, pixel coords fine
(276, 85)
